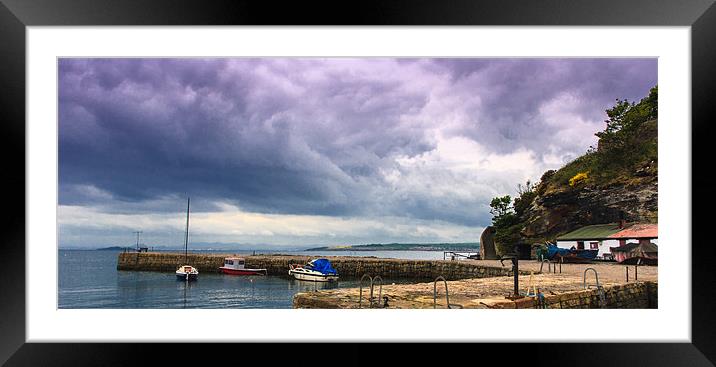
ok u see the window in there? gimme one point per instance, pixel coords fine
(580, 245)
(594, 245)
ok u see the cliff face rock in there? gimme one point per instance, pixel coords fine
(555, 213)
(487, 244)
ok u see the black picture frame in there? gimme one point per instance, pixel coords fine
(16, 15)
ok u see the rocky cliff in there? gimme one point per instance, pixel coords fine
(556, 213)
(626, 187)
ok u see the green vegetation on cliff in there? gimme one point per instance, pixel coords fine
(618, 177)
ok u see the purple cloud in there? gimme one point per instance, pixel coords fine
(326, 136)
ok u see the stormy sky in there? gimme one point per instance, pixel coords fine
(309, 151)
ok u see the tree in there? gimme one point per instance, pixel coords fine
(626, 116)
(500, 206)
(505, 221)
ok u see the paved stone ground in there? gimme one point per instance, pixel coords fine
(608, 271)
(478, 293)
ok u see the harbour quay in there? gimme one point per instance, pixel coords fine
(455, 284)
(560, 292)
(565, 286)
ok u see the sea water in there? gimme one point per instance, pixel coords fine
(90, 279)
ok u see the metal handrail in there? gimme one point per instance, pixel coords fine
(602, 296)
(549, 265)
(584, 280)
(530, 284)
(457, 255)
(435, 292)
(600, 289)
(380, 294)
(371, 300)
(360, 291)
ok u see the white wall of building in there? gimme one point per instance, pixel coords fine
(603, 245)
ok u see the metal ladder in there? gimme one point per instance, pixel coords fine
(551, 265)
(371, 301)
(600, 289)
(447, 294)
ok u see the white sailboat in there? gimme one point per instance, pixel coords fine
(187, 272)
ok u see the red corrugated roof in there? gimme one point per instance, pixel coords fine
(638, 231)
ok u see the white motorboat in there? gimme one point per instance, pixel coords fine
(187, 272)
(237, 266)
(318, 270)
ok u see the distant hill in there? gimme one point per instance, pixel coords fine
(112, 248)
(464, 246)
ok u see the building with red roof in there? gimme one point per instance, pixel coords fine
(638, 231)
(603, 237)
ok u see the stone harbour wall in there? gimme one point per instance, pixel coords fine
(168, 262)
(349, 267)
(629, 295)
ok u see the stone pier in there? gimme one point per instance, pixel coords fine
(347, 266)
(560, 291)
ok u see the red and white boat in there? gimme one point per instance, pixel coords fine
(236, 266)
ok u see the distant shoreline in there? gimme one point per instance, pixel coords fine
(392, 249)
(465, 247)
(457, 247)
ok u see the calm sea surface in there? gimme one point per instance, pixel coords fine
(90, 279)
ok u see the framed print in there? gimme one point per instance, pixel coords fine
(397, 173)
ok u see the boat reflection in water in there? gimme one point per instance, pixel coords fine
(303, 286)
(186, 286)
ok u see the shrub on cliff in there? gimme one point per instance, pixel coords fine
(526, 194)
(579, 177)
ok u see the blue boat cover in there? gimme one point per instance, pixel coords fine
(323, 266)
(553, 250)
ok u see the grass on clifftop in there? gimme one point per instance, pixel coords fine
(627, 152)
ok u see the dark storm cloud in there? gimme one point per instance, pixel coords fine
(318, 136)
(513, 90)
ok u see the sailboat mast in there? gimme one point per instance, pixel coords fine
(186, 236)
